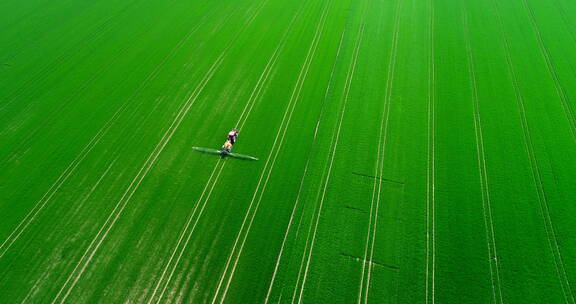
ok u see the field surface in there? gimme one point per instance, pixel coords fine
(409, 151)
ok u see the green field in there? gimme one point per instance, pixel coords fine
(410, 151)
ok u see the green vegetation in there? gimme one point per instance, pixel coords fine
(409, 151)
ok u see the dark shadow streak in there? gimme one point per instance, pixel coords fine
(389, 267)
(381, 178)
(354, 208)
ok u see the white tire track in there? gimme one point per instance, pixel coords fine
(382, 140)
(34, 290)
(482, 171)
(145, 169)
(40, 204)
(535, 170)
(431, 173)
(206, 186)
(296, 203)
(336, 138)
(254, 97)
(568, 111)
(295, 97)
(169, 278)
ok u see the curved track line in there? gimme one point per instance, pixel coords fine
(568, 111)
(389, 85)
(482, 171)
(305, 172)
(336, 140)
(40, 204)
(550, 235)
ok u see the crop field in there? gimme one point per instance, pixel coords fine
(410, 151)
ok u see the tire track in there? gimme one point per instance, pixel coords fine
(286, 119)
(482, 171)
(146, 167)
(254, 97)
(51, 117)
(336, 138)
(212, 184)
(320, 116)
(45, 275)
(568, 111)
(539, 188)
(382, 140)
(300, 269)
(431, 172)
(565, 19)
(69, 170)
(100, 31)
